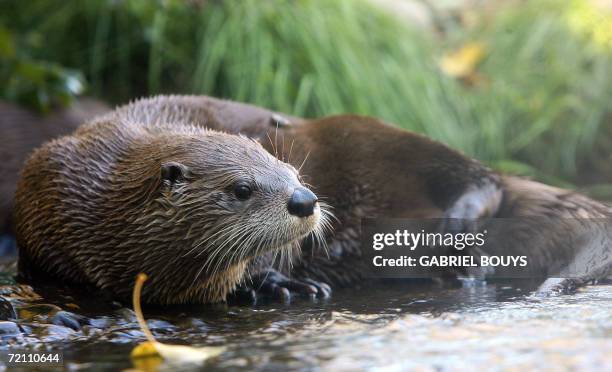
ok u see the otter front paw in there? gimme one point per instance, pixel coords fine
(272, 284)
(561, 286)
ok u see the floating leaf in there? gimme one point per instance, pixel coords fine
(151, 354)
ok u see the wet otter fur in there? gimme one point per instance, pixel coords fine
(558, 214)
(365, 168)
(188, 206)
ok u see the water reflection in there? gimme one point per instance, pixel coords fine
(391, 326)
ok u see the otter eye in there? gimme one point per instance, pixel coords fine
(242, 191)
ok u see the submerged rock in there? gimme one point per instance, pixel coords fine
(6, 309)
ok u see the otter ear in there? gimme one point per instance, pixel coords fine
(173, 172)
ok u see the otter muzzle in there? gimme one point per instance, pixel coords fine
(302, 202)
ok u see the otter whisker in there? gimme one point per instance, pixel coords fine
(267, 272)
(198, 274)
(222, 235)
(274, 259)
(217, 235)
(290, 149)
(323, 230)
(271, 143)
(321, 241)
(214, 271)
(304, 161)
(216, 249)
(233, 239)
(275, 139)
(326, 211)
(243, 246)
(203, 241)
(286, 259)
(257, 249)
(240, 245)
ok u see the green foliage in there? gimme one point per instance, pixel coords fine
(36, 84)
(548, 91)
(540, 107)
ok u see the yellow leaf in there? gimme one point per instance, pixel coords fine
(145, 357)
(145, 350)
(463, 62)
(149, 355)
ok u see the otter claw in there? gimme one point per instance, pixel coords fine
(306, 287)
(323, 289)
(560, 286)
(273, 284)
(243, 295)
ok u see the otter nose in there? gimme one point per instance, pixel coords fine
(302, 202)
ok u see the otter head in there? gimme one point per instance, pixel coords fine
(219, 201)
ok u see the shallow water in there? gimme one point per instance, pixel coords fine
(390, 327)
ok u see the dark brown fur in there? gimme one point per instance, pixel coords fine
(125, 194)
(557, 217)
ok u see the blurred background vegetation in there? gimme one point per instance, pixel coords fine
(524, 86)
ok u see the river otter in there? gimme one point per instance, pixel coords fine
(365, 168)
(189, 206)
(22, 131)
